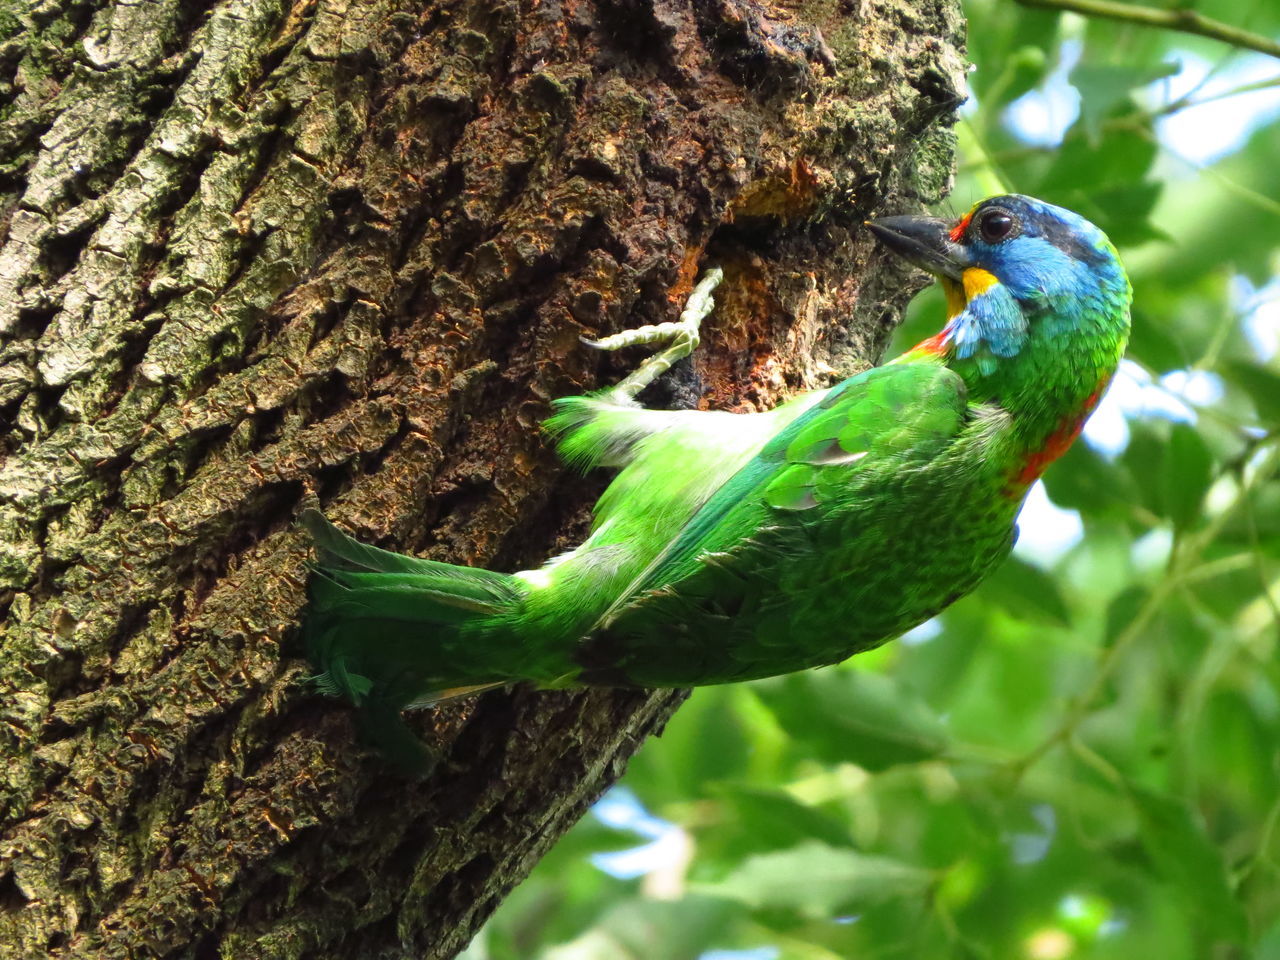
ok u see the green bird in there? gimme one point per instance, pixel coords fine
(737, 546)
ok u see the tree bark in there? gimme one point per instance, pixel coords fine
(260, 254)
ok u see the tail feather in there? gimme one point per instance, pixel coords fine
(337, 551)
(411, 597)
(385, 630)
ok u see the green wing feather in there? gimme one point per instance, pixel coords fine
(895, 411)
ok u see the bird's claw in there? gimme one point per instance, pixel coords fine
(681, 336)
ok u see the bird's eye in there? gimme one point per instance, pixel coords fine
(996, 225)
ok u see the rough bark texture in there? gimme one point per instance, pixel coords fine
(260, 253)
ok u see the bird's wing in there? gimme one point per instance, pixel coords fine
(896, 411)
(889, 415)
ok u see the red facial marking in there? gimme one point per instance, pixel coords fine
(1058, 443)
(958, 230)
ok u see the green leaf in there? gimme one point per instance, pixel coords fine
(1263, 387)
(1104, 87)
(677, 929)
(1004, 70)
(1188, 470)
(1144, 458)
(1024, 68)
(1153, 342)
(1176, 841)
(819, 881)
(1083, 480)
(772, 819)
(1223, 223)
(706, 741)
(848, 715)
(1124, 211)
(1121, 157)
(1027, 592)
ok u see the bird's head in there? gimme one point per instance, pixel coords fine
(1014, 269)
(1038, 316)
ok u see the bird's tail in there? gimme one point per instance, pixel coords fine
(387, 631)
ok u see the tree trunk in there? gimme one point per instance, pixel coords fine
(261, 254)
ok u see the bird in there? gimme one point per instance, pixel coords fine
(732, 546)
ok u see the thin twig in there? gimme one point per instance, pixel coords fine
(1185, 21)
(1188, 101)
(1247, 194)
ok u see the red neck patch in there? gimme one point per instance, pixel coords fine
(1057, 443)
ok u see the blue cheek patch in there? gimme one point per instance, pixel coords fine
(991, 325)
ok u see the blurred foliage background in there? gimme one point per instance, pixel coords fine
(1081, 760)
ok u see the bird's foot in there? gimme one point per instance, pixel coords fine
(681, 337)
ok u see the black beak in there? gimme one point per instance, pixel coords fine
(923, 241)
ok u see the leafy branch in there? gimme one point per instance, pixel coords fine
(1138, 120)
(1184, 21)
(1181, 566)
